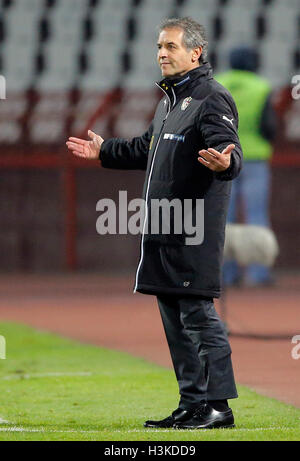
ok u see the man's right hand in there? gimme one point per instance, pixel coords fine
(86, 149)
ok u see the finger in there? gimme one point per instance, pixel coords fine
(212, 161)
(78, 140)
(92, 135)
(207, 155)
(202, 160)
(213, 152)
(228, 149)
(72, 145)
(76, 148)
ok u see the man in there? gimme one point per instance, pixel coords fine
(257, 127)
(190, 151)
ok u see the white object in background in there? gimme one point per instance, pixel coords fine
(250, 244)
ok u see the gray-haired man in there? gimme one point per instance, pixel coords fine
(190, 151)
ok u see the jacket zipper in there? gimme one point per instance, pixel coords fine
(147, 190)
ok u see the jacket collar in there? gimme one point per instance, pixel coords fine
(191, 78)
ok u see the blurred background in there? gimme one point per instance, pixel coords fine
(72, 65)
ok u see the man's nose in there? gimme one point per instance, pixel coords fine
(162, 53)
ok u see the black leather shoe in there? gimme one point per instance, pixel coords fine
(206, 417)
(177, 416)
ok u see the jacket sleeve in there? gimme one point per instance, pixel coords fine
(268, 121)
(121, 154)
(218, 125)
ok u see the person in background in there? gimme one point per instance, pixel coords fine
(257, 128)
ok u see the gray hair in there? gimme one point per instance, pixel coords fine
(194, 34)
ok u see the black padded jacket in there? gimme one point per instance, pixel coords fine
(195, 113)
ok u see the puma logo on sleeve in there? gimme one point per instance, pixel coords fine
(230, 120)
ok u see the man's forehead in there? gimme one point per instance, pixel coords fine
(173, 34)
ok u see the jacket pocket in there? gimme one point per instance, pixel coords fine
(177, 265)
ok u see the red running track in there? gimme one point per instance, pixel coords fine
(104, 311)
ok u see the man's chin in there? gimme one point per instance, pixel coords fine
(166, 74)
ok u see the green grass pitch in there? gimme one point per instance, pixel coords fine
(53, 388)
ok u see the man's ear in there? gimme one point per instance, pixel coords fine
(197, 53)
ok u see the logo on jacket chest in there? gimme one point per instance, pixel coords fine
(174, 137)
(186, 102)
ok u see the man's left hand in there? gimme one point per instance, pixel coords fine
(214, 160)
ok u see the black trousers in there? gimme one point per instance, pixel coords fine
(199, 348)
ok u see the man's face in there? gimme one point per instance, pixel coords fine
(172, 56)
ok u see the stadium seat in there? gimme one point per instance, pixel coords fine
(18, 65)
(51, 110)
(277, 62)
(10, 132)
(135, 112)
(66, 27)
(222, 50)
(47, 131)
(283, 30)
(29, 6)
(93, 82)
(130, 127)
(110, 26)
(245, 4)
(89, 101)
(70, 8)
(202, 4)
(104, 63)
(58, 79)
(61, 65)
(145, 70)
(239, 23)
(203, 12)
(149, 16)
(51, 105)
(21, 25)
(10, 113)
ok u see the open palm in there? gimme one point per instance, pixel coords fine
(86, 149)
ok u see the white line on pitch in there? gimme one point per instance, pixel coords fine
(54, 374)
(53, 431)
(3, 421)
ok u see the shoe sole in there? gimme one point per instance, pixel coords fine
(153, 426)
(209, 426)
